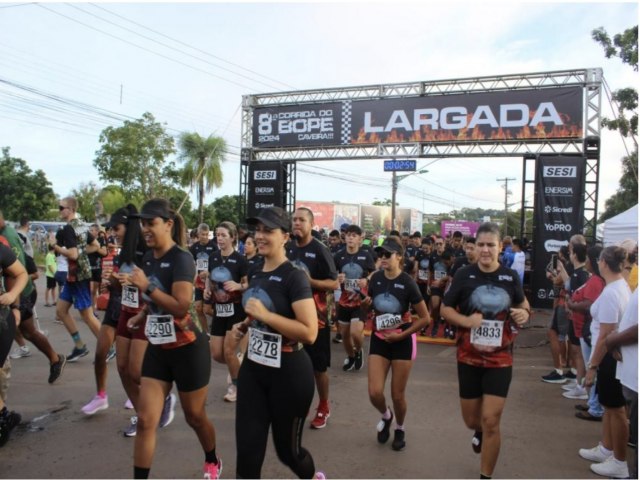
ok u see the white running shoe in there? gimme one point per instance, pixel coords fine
(578, 393)
(594, 454)
(20, 352)
(611, 468)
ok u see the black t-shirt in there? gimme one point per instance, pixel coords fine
(223, 269)
(423, 260)
(458, 264)
(492, 294)
(94, 258)
(69, 239)
(579, 277)
(201, 254)
(176, 265)
(437, 267)
(393, 297)
(457, 252)
(411, 251)
(354, 266)
(277, 290)
(253, 263)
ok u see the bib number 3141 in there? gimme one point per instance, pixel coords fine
(265, 348)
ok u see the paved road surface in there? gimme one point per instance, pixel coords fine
(540, 435)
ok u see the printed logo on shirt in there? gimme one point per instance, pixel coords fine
(275, 278)
(508, 278)
(398, 285)
(165, 265)
(310, 255)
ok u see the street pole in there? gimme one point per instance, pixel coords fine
(394, 190)
(506, 194)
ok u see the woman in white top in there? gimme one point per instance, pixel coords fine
(606, 313)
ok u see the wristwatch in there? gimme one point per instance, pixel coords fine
(150, 289)
(592, 367)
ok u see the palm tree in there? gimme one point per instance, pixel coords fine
(202, 157)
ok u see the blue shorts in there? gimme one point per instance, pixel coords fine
(77, 293)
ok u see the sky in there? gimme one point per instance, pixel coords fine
(69, 70)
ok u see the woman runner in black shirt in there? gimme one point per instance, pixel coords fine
(276, 383)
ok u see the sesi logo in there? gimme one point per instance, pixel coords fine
(265, 175)
(562, 172)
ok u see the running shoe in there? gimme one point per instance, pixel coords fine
(398, 440)
(232, 393)
(359, 360)
(578, 393)
(611, 468)
(383, 428)
(20, 352)
(476, 442)
(96, 404)
(128, 405)
(348, 364)
(554, 377)
(77, 353)
(8, 421)
(570, 385)
(111, 353)
(168, 411)
(337, 338)
(320, 420)
(212, 471)
(581, 407)
(570, 375)
(594, 454)
(132, 429)
(320, 475)
(55, 370)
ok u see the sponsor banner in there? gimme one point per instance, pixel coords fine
(416, 221)
(375, 218)
(558, 214)
(346, 213)
(323, 213)
(265, 186)
(545, 113)
(466, 228)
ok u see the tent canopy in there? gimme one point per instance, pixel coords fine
(621, 227)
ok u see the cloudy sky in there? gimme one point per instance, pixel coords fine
(67, 71)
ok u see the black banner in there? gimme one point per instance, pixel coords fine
(509, 115)
(265, 186)
(559, 201)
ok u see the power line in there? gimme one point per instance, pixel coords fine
(506, 206)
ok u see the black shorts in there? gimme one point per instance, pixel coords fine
(402, 350)
(96, 275)
(188, 366)
(425, 291)
(608, 387)
(473, 382)
(345, 315)
(199, 296)
(221, 325)
(51, 283)
(560, 322)
(436, 292)
(112, 314)
(26, 305)
(320, 350)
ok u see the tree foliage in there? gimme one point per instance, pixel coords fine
(624, 46)
(225, 208)
(87, 196)
(202, 169)
(134, 157)
(23, 191)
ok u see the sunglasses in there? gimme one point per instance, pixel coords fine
(385, 254)
(60, 207)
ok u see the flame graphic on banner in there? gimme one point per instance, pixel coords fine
(478, 133)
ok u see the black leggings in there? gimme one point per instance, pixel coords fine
(7, 332)
(279, 397)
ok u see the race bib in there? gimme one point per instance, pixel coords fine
(423, 274)
(130, 296)
(351, 284)
(489, 334)
(202, 264)
(265, 348)
(160, 329)
(388, 321)
(224, 310)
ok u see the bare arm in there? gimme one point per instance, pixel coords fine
(304, 329)
(20, 279)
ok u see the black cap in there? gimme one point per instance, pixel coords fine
(157, 207)
(389, 245)
(272, 217)
(343, 227)
(119, 217)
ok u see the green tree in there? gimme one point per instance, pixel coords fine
(112, 198)
(134, 157)
(202, 169)
(23, 191)
(89, 206)
(226, 209)
(624, 46)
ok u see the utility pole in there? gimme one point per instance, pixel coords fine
(506, 195)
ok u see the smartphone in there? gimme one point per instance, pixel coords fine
(554, 261)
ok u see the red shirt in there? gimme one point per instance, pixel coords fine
(589, 291)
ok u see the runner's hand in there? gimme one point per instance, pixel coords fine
(475, 320)
(8, 298)
(519, 315)
(256, 309)
(392, 337)
(138, 278)
(206, 294)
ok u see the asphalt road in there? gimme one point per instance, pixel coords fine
(540, 435)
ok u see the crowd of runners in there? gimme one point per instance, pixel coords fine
(264, 300)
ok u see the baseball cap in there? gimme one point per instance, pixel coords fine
(119, 217)
(389, 245)
(157, 207)
(272, 217)
(344, 227)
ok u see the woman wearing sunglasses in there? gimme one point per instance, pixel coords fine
(178, 349)
(391, 294)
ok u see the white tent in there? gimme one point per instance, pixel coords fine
(621, 227)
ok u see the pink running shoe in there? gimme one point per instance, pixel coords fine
(212, 471)
(96, 404)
